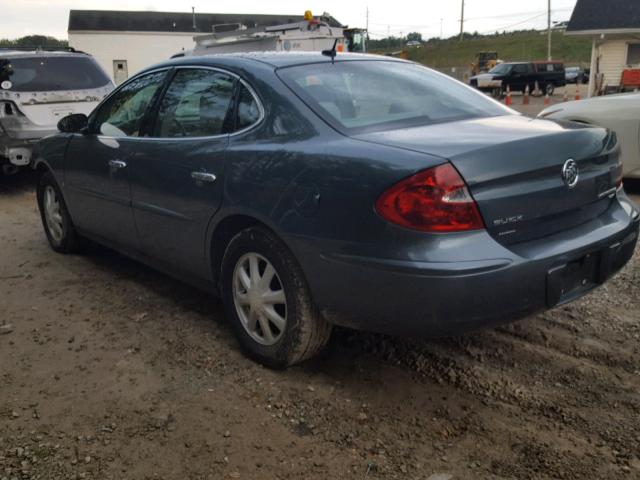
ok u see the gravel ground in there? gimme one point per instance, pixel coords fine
(536, 104)
(110, 370)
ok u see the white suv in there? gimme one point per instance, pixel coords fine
(37, 89)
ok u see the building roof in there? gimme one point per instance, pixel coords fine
(611, 15)
(126, 21)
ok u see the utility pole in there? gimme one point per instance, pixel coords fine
(193, 17)
(366, 37)
(441, 22)
(549, 32)
(367, 19)
(462, 22)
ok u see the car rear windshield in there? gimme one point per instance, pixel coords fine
(363, 96)
(49, 73)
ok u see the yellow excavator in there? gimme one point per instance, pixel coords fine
(486, 61)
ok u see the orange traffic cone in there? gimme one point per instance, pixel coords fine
(547, 100)
(577, 91)
(536, 91)
(508, 101)
(525, 99)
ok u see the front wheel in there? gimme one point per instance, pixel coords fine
(549, 89)
(56, 220)
(268, 301)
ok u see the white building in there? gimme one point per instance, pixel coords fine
(125, 42)
(614, 28)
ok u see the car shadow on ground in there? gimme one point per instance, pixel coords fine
(23, 181)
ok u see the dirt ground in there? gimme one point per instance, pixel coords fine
(110, 370)
(536, 104)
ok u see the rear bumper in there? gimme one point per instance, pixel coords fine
(433, 299)
(17, 151)
(17, 145)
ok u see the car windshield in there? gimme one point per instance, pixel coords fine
(501, 69)
(49, 73)
(359, 96)
(573, 69)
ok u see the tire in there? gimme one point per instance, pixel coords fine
(61, 233)
(304, 332)
(549, 88)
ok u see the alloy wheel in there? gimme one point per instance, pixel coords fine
(259, 298)
(53, 214)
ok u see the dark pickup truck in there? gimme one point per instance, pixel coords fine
(518, 75)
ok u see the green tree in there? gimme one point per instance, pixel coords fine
(414, 36)
(33, 41)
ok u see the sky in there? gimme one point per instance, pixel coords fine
(399, 17)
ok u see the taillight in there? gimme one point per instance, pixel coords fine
(434, 200)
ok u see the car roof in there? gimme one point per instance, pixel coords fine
(13, 53)
(276, 59)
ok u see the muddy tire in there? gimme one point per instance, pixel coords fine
(268, 302)
(58, 227)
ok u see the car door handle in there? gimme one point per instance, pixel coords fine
(203, 177)
(117, 164)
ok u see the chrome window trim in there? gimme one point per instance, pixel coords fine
(253, 93)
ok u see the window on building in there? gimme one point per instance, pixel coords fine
(633, 54)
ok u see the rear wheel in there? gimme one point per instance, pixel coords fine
(56, 220)
(267, 299)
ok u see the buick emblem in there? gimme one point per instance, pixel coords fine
(570, 173)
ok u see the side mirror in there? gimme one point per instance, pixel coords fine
(73, 123)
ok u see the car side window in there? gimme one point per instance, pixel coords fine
(122, 114)
(520, 69)
(248, 109)
(196, 104)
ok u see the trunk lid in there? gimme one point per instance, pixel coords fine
(513, 166)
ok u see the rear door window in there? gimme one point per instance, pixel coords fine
(51, 73)
(197, 104)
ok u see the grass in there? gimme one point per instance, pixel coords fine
(517, 46)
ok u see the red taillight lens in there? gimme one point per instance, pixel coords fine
(435, 200)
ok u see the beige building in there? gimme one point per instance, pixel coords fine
(614, 28)
(125, 42)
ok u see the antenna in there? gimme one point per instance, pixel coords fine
(331, 53)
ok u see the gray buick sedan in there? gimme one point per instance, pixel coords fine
(361, 191)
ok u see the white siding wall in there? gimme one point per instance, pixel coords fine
(140, 50)
(613, 59)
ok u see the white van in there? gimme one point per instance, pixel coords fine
(37, 89)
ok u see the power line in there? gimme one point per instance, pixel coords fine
(466, 20)
(513, 25)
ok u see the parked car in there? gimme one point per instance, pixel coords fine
(576, 75)
(518, 75)
(368, 192)
(37, 89)
(620, 113)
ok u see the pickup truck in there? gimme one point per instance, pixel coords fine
(518, 75)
